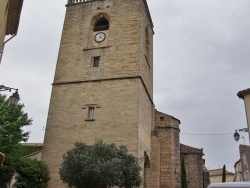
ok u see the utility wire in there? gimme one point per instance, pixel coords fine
(208, 134)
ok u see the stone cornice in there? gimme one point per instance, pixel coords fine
(108, 79)
(14, 13)
(243, 93)
(149, 15)
(190, 150)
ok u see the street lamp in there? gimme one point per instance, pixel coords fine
(237, 135)
(14, 98)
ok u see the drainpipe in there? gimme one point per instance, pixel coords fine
(1, 52)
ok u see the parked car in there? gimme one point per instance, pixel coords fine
(230, 185)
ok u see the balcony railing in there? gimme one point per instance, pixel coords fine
(70, 2)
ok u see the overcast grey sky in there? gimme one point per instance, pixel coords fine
(201, 61)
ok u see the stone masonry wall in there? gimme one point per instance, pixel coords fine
(116, 118)
(119, 90)
(194, 170)
(154, 181)
(167, 130)
(119, 55)
(194, 166)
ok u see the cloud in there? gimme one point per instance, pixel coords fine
(201, 60)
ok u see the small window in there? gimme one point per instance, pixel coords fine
(101, 25)
(91, 113)
(161, 118)
(96, 61)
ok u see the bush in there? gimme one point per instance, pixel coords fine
(31, 174)
(100, 166)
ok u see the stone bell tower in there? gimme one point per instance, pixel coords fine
(103, 84)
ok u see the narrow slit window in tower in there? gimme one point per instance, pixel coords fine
(96, 61)
(91, 113)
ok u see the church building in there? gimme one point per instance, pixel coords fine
(103, 88)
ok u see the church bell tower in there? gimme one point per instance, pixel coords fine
(103, 84)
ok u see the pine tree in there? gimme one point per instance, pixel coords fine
(224, 174)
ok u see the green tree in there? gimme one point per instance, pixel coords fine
(12, 119)
(100, 166)
(7, 171)
(31, 173)
(224, 174)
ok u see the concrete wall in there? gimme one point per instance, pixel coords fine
(245, 161)
(245, 95)
(247, 107)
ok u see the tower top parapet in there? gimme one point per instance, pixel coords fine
(70, 2)
(73, 2)
(243, 93)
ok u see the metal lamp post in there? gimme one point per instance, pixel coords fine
(14, 98)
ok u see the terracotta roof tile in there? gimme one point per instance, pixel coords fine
(219, 171)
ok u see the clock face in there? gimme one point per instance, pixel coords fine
(99, 37)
